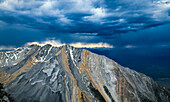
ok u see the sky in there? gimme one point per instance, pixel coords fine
(127, 31)
(83, 21)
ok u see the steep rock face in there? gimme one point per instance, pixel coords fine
(68, 74)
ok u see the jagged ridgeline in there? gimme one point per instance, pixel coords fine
(67, 74)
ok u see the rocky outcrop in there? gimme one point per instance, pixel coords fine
(4, 97)
(68, 74)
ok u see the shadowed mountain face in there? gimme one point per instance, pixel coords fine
(68, 74)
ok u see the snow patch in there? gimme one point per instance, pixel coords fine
(71, 54)
(38, 81)
(54, 76)
(48, 71)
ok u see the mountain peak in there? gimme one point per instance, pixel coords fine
(48, 73)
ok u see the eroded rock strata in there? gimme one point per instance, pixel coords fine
(68, 74)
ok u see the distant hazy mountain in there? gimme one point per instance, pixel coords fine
(68, 74)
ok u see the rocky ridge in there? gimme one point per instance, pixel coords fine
(67, 74)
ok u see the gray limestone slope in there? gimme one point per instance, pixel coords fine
(68, 74)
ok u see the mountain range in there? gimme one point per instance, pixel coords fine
(68, 74)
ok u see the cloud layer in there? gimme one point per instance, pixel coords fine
(104, 17)
(78, 44)
(6, 47)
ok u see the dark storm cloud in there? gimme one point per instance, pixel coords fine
(153, 37)
(104, 17)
